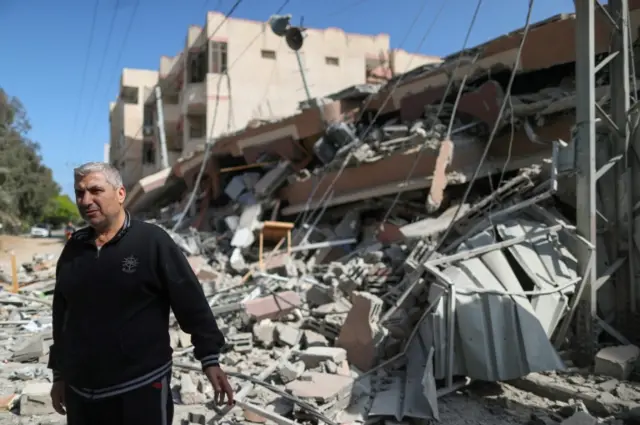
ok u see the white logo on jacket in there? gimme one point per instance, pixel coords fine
(130, 264)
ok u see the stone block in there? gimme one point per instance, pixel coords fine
(289, 371)
(189, 393)
(184, 339)
(35, 399)
(313, 356)
(30, 350)
(616, 362)
(272, 306)
(361, 334)
(314, 339)
(288, 335)
(321, 386)
(264, 333)
(580, 418)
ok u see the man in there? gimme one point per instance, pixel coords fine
(116, 281)
(68, 230)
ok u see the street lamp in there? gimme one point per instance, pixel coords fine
(294, 36)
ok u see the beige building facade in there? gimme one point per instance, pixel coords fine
(131, 136)
(234, 71)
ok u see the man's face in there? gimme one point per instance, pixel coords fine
(98, 201)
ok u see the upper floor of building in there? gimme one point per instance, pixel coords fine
(255, 58)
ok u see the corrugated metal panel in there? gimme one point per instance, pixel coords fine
(411, 393)
(548, 264)
(498, 337)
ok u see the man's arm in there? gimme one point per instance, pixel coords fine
(58, 316)
(188, 302)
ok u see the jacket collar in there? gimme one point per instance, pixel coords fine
(87, 234)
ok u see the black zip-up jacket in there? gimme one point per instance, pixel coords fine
(111, 311)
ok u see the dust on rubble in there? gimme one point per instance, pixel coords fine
(305, 345)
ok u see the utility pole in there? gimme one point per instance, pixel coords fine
(587, 148)
(304, 76)
(164, 156)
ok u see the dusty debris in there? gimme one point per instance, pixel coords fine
(385, 294)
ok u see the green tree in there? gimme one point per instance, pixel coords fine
(26, 184)
(59, 210)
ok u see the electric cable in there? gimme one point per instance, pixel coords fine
(83, 80)
(492, 136)
(179, 75)
(122, 48)
(304, 215)
(209, 144)
(101, 67)
(366, 132)
(440, 108)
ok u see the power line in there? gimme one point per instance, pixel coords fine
(86, 64)
(209, 144)
(101, 67)
(442, 101)
(122, 47)
(228, 14)
(494, 131)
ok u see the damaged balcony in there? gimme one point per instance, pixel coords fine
(193, 98)
(195, 134)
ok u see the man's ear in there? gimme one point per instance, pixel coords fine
(122, 194)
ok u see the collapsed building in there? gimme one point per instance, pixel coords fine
(395, 242)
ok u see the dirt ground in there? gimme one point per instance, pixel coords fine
(25, 247)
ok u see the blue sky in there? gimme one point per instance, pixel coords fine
(43, 49)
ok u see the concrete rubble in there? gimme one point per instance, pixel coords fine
(454, 302)
(381, 332)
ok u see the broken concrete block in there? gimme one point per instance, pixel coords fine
(343, 369)
(616, 362)
(288, 335)
(264, 333)
(174, 339)
(249, 221)
(241, 342)
(314, 339)
(30, 350)
(360, 334)
(35, 399)
(580, 418)
(197, 262)
(207, 274)
(321, 386)
(320, 294)
(195, 419)
(329, 366)
(313, 356)
(237, 262)
(189, 393)
(253, 417)
(272, 306)
(184, 339)
(289, 371)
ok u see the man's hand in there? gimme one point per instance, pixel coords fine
(221, 386)
(57, 397)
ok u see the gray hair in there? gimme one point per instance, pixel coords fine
(111, 173)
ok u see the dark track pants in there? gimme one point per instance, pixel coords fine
(149, 405)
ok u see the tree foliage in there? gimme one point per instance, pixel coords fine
(60, 209)
(26, 184)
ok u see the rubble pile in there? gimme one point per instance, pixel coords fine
(368, 306)
(364, 330)
(42, 267)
